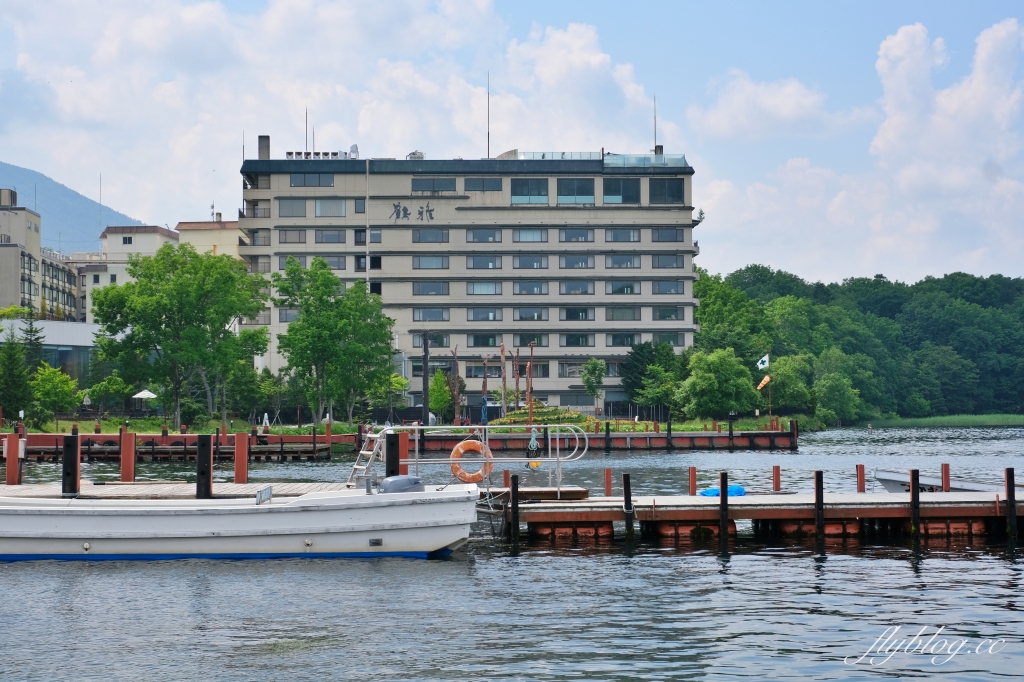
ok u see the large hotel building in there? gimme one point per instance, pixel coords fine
(583, 254)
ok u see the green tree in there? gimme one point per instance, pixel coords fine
(837, 400)
(660, 387)
(719, 383)
(32, 339)
(593, 374)
(441, 398)
(388, 395)
(366, 351)
(54, 392)
(171, 320)
(13, 312)
(790, 379)
(633, 369)
(15, 391)
(113, 388)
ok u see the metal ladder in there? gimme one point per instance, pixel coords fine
(367, 455)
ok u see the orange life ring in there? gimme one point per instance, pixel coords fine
(471, 446)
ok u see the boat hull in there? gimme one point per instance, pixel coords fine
(899, 482)
(336, 524)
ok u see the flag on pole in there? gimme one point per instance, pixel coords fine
(764, 382)
(763, 363)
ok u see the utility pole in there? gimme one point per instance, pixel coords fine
(529, 383)
(426, 380)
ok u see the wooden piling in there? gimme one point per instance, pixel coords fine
(915, 502)
(693, 480)
(514, 523)
(204, 466)
(860, 478)
(776, 479)
(71, 465)
(1011, 504)
(607, 435)
(506, 478)
(723, 505)
(241, 458)
(13, 461)
(819, 504)
(96, 429)
(945, 478)
(127, 453)
(607, 482)
(627, 504)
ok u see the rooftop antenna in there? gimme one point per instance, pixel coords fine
(314, 137)
(243, 144)
(488, 114)
(307, 130)
(655, 121)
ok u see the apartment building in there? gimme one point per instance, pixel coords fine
(32, 276)
(579, 254)
(212, 236)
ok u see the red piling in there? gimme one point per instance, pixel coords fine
(241, 458)
(860, 478)
(506, 478)
(945, 478)
(776, 478)
(403, 453)
(13, 463)
(607, 482)
(693, 480)
(96, 429)
(127, 456)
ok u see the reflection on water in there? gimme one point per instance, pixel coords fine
(549, 611)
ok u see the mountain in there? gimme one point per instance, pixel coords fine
(70, 221)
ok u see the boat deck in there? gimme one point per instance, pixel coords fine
(166, 491)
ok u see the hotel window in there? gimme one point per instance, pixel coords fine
(570, 370)
(433, 185)
(287, 314)
(375, 264)
(665, 235)
(483, 184)
(95, 279)
(671, 338)
(430, 314)
(622, 288)
(575, 235)
(446, 366)
(575, 314)
(535, 235)
(330, 236)
(621, 190)
(430, 262)
(330, 208)
(375, 236)
(311, 180)
(575, 190)
(621, 339)
(126, 240)
(576, 400)
(530, 314)
(541, 369)
(483, 235)
(666, 190)
(377, 288)
(524, 340)
(291, 208)
(669, 260)
(529, 191)
(291, 236)
(574, 287)
(483, 262)
(483, 314)
(530, 288)
(436, 340)
(667, 287)
(622, 314)
(475, 370)
(668, 314)
(483, 288)
(335, 262)
(576, 340)
(622, 260)
(530, 262)
(282, 261)
(621, 235)
(360, 205)
(575, 261)
(430, 288)
(484, 341)
(360, 237)
(430, 236)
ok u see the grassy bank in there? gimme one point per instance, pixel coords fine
(955, 420)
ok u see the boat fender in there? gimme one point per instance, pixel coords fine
(471, 446)
(402, 484)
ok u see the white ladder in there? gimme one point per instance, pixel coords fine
(367, 455)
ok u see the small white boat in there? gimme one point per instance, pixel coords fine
(346, 523)
(899, 482)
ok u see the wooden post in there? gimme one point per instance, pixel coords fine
(204, 466)
(514, 523)
(1011, 505)
(506, 478)
(607, 435)
(819, 504)
(391, 456)
(693, 480)
(11, 454)
(860, 478)
(777, 479)
(163, 431)
(945, 478)
(915, 502)
(74, 429)
(71, 478)
(241, 458)
(403, 453)
(668, 437)
(723, 506)
(627, 504)
(127, 456)
(607, 482)
(96, 429)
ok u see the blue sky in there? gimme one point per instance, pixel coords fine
(829, 139)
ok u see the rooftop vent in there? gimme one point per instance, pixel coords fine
(264, 144)
(353, 152)
(415, 156)
(8, 197)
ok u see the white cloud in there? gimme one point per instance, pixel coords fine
(945, 193)
(745, 109)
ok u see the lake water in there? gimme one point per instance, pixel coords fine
(771, 611)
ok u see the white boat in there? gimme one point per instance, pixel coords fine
(346, 523)
(899, 482)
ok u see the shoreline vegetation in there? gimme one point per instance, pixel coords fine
(951, 421)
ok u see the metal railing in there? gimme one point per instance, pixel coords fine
(254, 212)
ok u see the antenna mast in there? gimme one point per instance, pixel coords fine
(307, 130)
(655, 121)
(488, 114)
